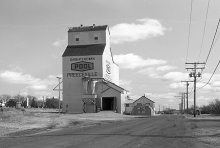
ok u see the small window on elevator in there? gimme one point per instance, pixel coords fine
(96, 37)
(77, 39)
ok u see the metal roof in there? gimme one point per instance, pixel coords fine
(82, 50)
(116, 87)
(87, 28)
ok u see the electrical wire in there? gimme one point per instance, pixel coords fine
(189, 31)
(207, 11)
(211, 76)
(216, 38)
(212, 42)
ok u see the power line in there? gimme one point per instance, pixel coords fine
(204, 30)
(212, 43)
(216, 38)
(211, 76)
(189, 30)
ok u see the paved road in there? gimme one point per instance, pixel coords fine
(166, 131)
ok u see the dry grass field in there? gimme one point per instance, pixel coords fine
(29, 121)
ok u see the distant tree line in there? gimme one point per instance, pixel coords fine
(33, 101)
(212, 108)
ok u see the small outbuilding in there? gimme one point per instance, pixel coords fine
(141, 106)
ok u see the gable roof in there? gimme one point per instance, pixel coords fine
(87, 28)
(144, 97)
(114, 86)
(82, 50)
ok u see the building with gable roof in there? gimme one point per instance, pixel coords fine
(90, 75)
(141, 106)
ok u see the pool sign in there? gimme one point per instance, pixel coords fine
(82, 66)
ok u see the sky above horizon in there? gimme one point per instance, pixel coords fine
(149, 41)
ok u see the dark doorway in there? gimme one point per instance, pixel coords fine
(108, 103)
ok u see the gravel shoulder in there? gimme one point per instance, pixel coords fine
(207, 129)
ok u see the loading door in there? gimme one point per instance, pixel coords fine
(108, 103)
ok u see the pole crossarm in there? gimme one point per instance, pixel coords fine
(187, 81)
(195, 63)
(197, 68)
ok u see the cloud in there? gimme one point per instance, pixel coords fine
(150, 71)
(161, 96)
(165, 68)
(177, 85)
(59, 42)
(216, 83)
(154, 72)
(202, 87)
(131, 61)
(54, 76)
(144, 28)
(175, 76)
(20, 78)
(42, 93)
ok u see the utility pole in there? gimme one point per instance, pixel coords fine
(184, 103)
(43, 102)
(181, 104)
(195, 75)
(187, 97)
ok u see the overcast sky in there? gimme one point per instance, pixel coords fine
(149, 40)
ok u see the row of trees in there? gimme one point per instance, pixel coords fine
(212, 108)
(33, 101)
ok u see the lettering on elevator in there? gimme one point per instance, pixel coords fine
(82, 59)
(82, 66)
(108, 67)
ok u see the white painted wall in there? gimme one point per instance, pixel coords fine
(72, 81)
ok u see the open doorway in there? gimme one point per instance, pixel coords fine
(108, 103)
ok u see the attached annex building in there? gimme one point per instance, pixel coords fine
(90, 75)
